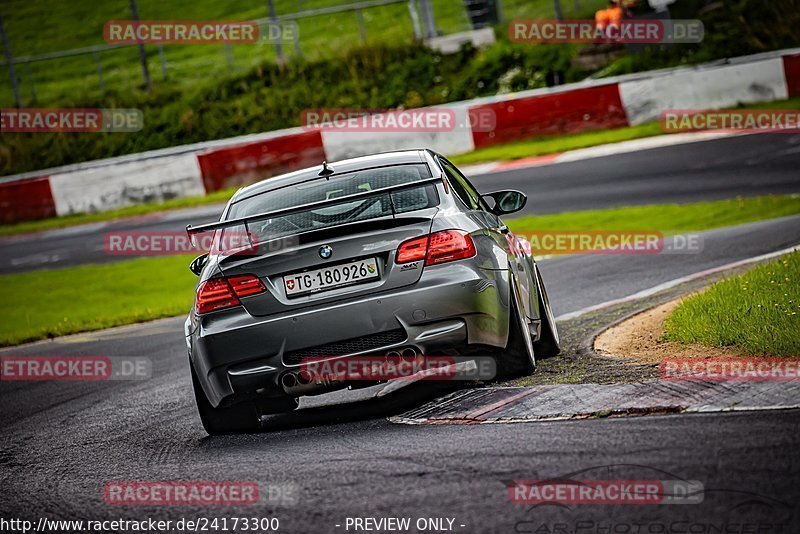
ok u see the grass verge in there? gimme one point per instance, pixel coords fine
(43, 304)
(757, 312)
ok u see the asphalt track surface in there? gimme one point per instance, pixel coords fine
(62, 441)
(749, 165)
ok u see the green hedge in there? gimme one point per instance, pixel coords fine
(271, 97)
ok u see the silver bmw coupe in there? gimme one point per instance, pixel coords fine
(394, 253)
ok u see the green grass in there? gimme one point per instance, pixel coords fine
(130, 211)
(71, 25)
(757, 312)
(665, 218)
(44, 304)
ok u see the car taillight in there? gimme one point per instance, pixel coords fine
(221, 293)
(449, 245)
(246, 285)
(412, 250)
(440, 247)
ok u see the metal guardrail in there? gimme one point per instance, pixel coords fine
(420, 12)
(331, 10)
(65, 53)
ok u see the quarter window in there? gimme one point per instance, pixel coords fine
(465, 191)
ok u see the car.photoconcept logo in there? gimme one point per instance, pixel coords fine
(325, 252)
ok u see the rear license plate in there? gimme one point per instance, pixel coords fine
(331, 277)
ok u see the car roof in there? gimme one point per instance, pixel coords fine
(399, 157)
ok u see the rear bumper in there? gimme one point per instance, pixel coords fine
(452, 306)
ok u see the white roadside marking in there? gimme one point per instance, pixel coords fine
(646, 143)
(36, 259)
(676, 282)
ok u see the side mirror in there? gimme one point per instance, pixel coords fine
(198, 264)
(507, 201)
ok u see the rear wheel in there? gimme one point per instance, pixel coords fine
(548, 344)
(518, 359)
(231, 420)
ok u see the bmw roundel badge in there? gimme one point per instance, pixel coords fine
(325, 252)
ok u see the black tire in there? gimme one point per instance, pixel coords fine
(519, 357)
(235, 419)
(548, 345)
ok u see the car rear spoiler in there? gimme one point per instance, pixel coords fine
(191, 231)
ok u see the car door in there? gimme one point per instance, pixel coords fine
(497, 230)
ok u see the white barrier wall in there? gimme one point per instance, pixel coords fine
(340, 144)
(126, 184)
(704, 88)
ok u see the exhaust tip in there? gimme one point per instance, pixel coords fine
(408, 354)
(289, 380)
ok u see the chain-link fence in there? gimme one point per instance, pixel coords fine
(325, 28)
(322, 30)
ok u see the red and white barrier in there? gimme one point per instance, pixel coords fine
(762, 81)
(563, 111)
(206, 167)
(26, 200)
(125, 184)
(791, 70)
(342, 144)
(250, 162)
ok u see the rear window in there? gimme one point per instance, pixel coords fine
(341, 213)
